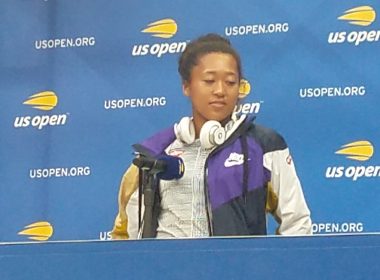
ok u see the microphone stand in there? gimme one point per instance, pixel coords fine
(149, 194)
(149, 179)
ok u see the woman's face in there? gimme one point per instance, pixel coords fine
(213, 88)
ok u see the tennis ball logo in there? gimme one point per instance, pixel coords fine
(45, 101)
(165, 28)
(363, 16)
(40, 231)
(359, 150)
(244, 88)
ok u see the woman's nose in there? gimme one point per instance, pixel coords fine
(219, 88)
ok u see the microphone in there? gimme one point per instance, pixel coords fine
(165, 167)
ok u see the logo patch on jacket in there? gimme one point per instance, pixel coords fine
(234, 159)
(176, 152)
(289, 159)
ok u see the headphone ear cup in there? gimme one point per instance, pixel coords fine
(212, 134)
(185, 130)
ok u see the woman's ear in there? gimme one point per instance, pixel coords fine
(185, 89)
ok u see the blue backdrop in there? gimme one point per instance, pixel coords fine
(81, 81)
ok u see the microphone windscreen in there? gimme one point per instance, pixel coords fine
(175, 168)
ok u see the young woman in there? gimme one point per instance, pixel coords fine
(235, 170)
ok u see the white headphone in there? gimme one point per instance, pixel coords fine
(212, 132)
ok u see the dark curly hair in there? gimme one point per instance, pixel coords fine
(206, 44)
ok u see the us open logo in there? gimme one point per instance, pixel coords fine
(164, 29)
(42, 101)
(247, 108)
(40, 231)
(359, 16)
(363, 16)
(244, 88)
(358, 151)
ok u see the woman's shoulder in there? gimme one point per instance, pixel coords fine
(268, 138)
(157, 143)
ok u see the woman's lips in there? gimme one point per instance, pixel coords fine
(217, 104)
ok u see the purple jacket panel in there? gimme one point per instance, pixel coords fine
(156, 144)
(225, 172)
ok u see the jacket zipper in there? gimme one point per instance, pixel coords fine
(205, 176)
(207, 196)
(237, 133)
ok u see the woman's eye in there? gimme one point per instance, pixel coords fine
(208, 81)
(231, 83)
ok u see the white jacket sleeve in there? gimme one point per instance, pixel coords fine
(289, 208)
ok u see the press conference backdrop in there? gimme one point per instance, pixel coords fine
(81, 81)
